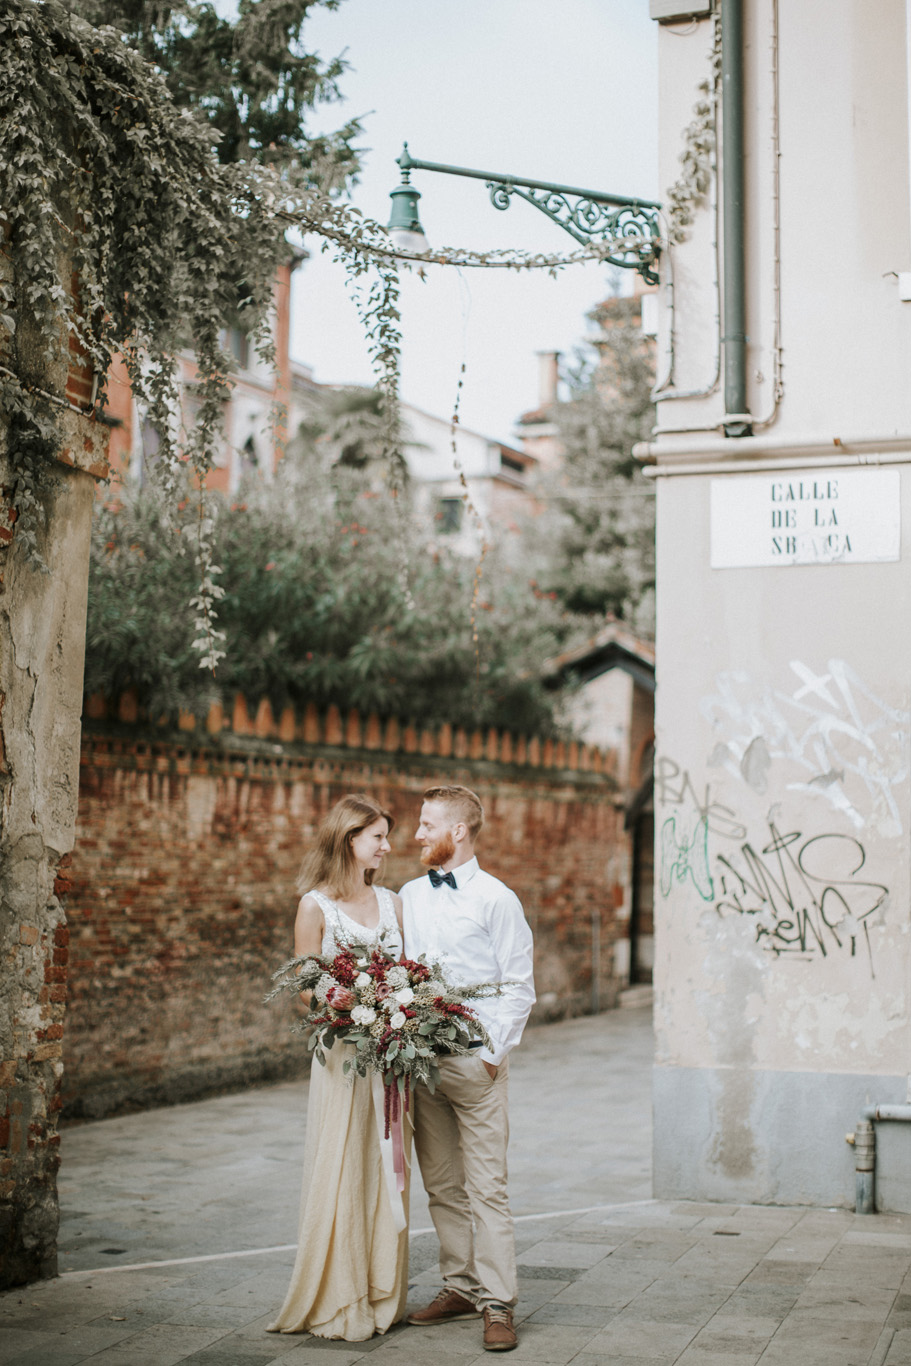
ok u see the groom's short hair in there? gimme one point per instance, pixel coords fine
(463, 804)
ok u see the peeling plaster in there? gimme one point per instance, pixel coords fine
(42, 642)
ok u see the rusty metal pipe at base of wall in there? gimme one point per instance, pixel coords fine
(864, 1143)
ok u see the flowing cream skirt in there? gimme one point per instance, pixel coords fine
(350, 1278)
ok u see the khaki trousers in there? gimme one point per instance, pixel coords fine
(461, 1133)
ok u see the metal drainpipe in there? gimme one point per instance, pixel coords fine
(737, 419)
(864, 1141)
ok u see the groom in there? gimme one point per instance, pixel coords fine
(474, 925)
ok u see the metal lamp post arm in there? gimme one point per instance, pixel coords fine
(630, 225)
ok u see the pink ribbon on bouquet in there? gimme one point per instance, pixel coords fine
(398, 1151)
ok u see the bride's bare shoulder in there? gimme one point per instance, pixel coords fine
(396, 901)
(308, 926)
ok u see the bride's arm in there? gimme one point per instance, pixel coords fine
(399, 914)
(308, 933)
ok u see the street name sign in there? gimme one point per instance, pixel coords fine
(834, 516)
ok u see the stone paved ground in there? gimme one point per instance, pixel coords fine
(607, 1274)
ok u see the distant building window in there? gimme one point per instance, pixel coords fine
(449, 514)
(150, 439)
(509, 462)
(239, 346)
(249, 457)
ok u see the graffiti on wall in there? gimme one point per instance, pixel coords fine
(685, 856)
(674, 787)
(802, 885)
(831, 737)
(803, 895)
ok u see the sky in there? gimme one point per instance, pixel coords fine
(563, 92)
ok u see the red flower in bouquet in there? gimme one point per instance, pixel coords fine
(398, 1014)
(340, 998)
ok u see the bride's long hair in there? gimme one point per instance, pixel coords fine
(331, 862)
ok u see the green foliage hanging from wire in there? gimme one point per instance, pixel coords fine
(123, 233)
(128, 225)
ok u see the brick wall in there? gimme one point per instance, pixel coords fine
(188, 847)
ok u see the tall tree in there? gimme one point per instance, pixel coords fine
(599, 537)
(249, 75)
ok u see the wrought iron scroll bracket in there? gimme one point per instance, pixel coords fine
(632, 229)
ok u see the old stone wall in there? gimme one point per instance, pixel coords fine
(188, 847)
(42, 645)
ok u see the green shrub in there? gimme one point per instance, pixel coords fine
(331, 594)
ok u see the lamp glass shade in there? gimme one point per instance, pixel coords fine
(404, 224)
(415, 243)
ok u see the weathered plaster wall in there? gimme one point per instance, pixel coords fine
(829, 159)
(782, 820)
(42, 647)
(782, 802)
(42, 639)
(601, 713)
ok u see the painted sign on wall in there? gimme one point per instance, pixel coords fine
(835, 516)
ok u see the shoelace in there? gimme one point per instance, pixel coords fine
(498, 1315)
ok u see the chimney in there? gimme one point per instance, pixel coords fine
(548, 377)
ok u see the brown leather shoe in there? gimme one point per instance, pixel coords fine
(499, 1334)
(448, 1305)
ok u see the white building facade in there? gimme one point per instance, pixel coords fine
(466, 487)
(783, 766)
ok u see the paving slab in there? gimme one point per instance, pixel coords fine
(178, 1229)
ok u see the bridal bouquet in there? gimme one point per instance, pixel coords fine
(398, 1014)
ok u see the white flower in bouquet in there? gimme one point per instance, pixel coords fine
(398, 1019)
(322, 986)
(397, 976)
(363, 1015)
(363, 979)
(390, 1004)
(405, 996)
(429, 991)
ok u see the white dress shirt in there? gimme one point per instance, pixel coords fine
(479, 933)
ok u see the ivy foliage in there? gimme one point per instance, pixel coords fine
(315, 608)
(108, 188)
(139, 216)
(698, 157)
(249, 76)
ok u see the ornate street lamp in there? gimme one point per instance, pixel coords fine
(629, 225)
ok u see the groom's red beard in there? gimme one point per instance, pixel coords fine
(440, 852)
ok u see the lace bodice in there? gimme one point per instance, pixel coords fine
(340, 929)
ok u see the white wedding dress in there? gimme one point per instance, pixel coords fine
(350, 1278)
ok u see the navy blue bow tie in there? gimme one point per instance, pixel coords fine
(437, 878)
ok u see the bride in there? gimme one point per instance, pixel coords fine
(350, 1279)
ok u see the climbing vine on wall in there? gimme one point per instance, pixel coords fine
(700, 140)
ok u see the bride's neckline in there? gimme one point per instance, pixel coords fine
(350, 918)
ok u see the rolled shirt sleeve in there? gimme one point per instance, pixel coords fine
(506, 1015)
